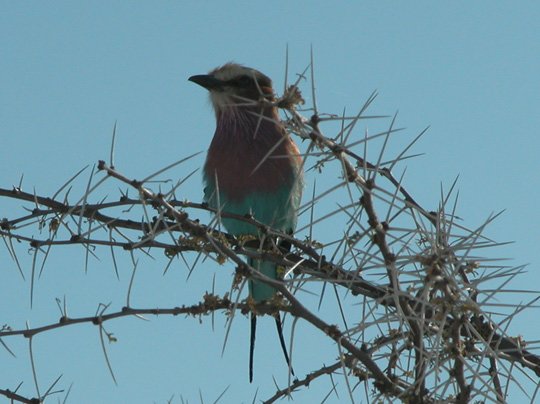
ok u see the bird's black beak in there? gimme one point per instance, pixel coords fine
(207, 81)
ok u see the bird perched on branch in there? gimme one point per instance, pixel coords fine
(253, 167)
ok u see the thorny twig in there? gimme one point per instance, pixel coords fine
(431, 312)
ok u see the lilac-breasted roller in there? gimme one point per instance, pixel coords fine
(252, 167)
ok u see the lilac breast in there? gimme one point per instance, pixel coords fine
(240, 143)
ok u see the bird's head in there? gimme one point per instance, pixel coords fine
(235, 86)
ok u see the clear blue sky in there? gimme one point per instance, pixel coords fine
(70, 70)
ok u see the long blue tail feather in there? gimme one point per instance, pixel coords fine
(252, 344)
(282, 342)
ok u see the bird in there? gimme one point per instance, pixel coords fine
(253, 167)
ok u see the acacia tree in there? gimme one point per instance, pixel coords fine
(426, 331)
